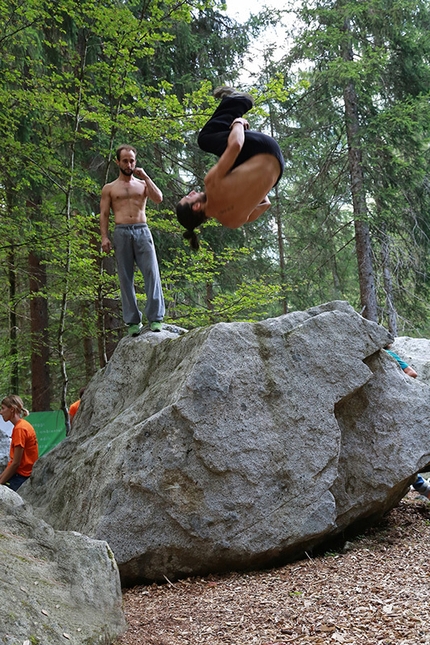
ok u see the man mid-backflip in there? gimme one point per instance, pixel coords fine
(250, 164)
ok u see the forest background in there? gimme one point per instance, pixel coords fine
(346, 95)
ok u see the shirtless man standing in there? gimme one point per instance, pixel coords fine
(250, 164)
(132, 239)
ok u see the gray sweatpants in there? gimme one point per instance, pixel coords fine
(134, 244)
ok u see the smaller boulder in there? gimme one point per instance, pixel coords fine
(56, 587)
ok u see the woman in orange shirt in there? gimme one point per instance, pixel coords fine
(23, 444)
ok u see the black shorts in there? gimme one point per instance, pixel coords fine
(214, 135)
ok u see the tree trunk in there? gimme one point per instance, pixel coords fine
(209, 300)
(88, 346)
(281, 251)
(40, 376)
(14, 373)
(388, 283)
(365, 271)
(13, 319)
(109, 317)
(362, 233)
(279, 230)
(337, 291)
(108, 309)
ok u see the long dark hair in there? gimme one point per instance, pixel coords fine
(190, 219)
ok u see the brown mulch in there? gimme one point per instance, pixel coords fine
(374, 591)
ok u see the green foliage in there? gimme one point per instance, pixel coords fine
(369, 45)
(79, 78)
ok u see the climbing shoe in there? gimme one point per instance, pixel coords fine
(225, 91)
(134, 330)
(155, 325)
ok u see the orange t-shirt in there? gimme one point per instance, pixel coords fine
(23, 435)
(74, 408)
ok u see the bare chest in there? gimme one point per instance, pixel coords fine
(123, 194)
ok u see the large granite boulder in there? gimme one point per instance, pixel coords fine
(237, 445)
(56, 587)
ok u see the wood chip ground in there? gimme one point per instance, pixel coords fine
(377, 592)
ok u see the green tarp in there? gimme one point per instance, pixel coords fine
(50, 429)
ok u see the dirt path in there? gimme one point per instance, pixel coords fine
(376, 592)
